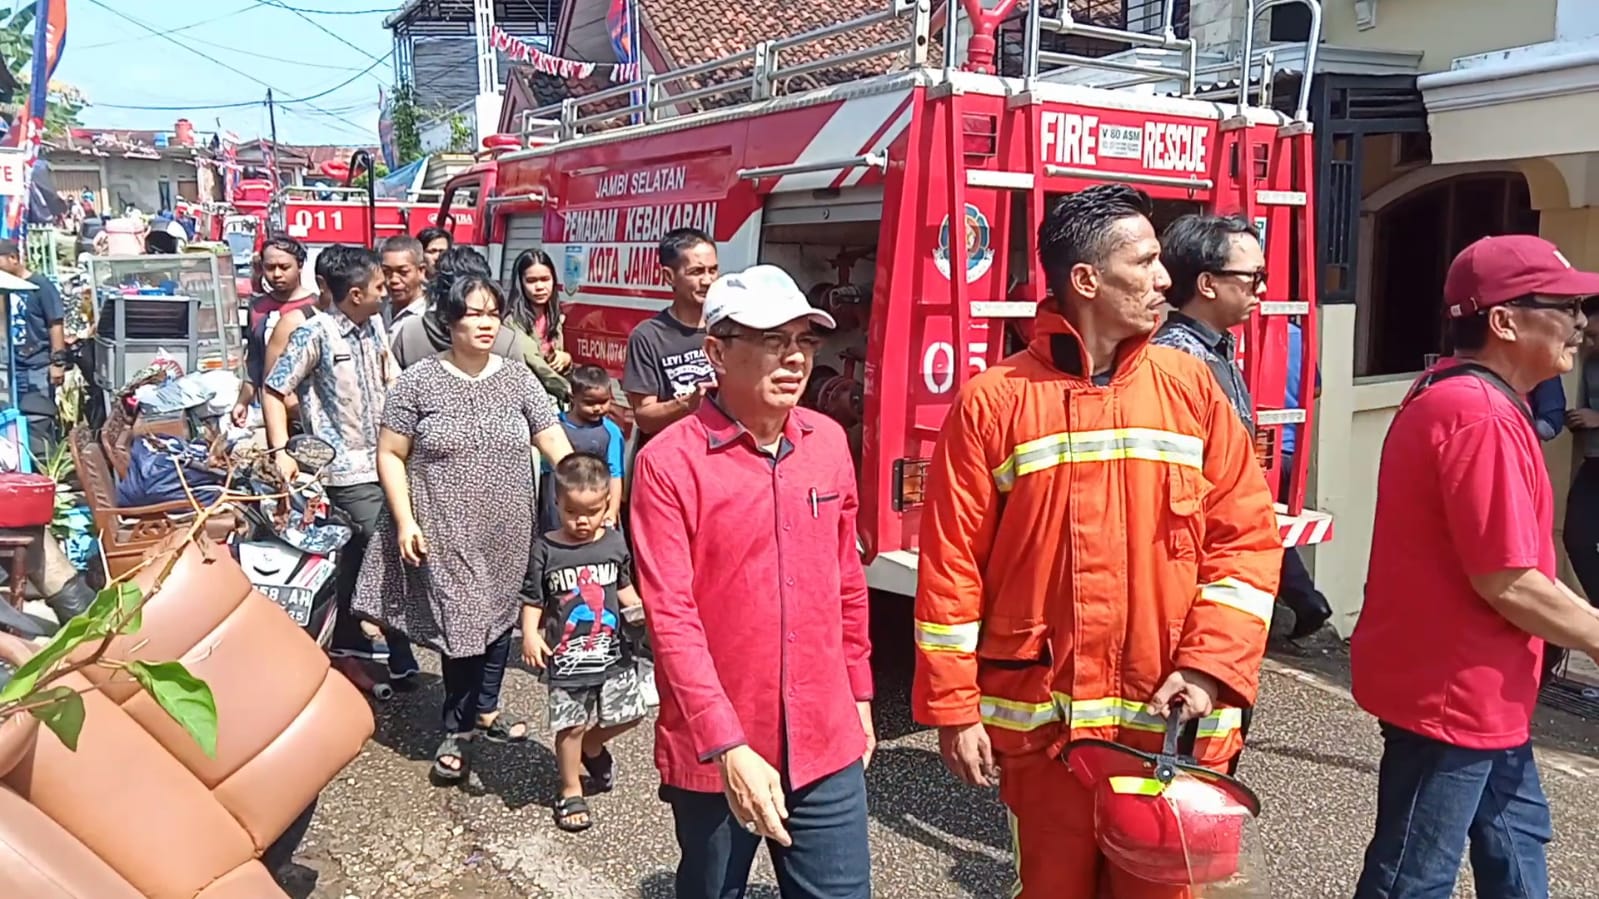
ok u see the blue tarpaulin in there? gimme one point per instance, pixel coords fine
(396, 185)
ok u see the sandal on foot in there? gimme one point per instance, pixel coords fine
(497, 731)
(572, 814)
(452, 746)
(601, 770)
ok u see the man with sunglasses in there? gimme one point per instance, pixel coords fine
(744, 534)
(1461, 592)
(1218, 277)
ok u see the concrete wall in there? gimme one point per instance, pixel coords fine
(1442, 29)
(138, 181)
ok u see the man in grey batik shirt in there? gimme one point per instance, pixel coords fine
(1218, 277)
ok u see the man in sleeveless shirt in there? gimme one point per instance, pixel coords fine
(284, 301)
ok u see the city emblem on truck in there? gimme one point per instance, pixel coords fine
(979, 246)
(572, 271)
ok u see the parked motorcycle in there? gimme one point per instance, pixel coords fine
(289, 541)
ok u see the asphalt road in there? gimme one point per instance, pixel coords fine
(382, 832)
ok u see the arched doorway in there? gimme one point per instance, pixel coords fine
(1414, 238)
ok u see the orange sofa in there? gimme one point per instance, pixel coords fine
(138, 810)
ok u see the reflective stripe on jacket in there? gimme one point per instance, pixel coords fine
(1080, 542)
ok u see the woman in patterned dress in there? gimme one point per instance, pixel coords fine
(455, 458)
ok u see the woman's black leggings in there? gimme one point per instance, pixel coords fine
(472, 685)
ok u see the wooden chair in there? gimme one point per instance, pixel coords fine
(128, 533)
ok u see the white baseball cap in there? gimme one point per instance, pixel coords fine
(760, 297)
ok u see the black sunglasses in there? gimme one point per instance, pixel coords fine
(1256, 278)
(1572, 307)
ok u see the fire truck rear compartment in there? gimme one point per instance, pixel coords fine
(833, 259)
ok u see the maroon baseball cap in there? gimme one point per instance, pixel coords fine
(1496, 270)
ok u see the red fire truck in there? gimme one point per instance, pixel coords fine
(909, 203)
(320, 215)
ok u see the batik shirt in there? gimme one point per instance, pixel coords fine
(340, 372)
(1196, 338)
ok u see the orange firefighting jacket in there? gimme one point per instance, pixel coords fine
(1080, 542)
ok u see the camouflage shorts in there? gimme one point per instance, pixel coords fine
(617, 701)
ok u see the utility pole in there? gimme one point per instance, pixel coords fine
(272, 123)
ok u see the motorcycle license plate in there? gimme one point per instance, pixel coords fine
(285, 575)
(294, 600)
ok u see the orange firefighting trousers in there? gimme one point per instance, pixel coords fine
(1052, 828)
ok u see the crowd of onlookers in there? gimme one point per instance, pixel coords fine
(1100, 559)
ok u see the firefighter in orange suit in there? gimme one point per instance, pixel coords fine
(1098, 545)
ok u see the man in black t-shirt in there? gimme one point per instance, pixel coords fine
(666, 373)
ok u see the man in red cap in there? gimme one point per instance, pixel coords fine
(1461, 593)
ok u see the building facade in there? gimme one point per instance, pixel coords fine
(1508, 144)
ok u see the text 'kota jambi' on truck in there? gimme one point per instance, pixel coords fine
(908, 200)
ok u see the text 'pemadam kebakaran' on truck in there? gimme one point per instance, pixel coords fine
(890, 168)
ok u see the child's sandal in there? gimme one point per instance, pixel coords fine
(572, 814)
(601, 770)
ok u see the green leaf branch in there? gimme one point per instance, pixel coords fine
(118, 611)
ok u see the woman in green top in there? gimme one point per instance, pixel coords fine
(538, 314)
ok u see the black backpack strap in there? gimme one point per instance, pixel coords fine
(1476, 370)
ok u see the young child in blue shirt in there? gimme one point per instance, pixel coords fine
(590, 430)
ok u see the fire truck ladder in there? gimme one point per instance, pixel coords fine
(946, 106)
(1269, 183)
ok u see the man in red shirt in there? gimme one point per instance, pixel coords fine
(1461, 593)
(744, 531)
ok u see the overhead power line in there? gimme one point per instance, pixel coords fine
(243, 103)
(191, 25)
(332, 12)
(203, 55)
(292, 63)
(277, 4)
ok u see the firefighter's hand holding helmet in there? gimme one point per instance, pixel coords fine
(1194, 690)
(754, 792)
(968, 754)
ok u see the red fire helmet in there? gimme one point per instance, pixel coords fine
(1160, 816)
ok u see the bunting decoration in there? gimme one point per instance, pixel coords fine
(518, 50)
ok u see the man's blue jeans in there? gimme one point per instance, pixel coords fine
(1432, 798)
(829, 858)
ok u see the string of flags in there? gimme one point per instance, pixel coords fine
(518, 50)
